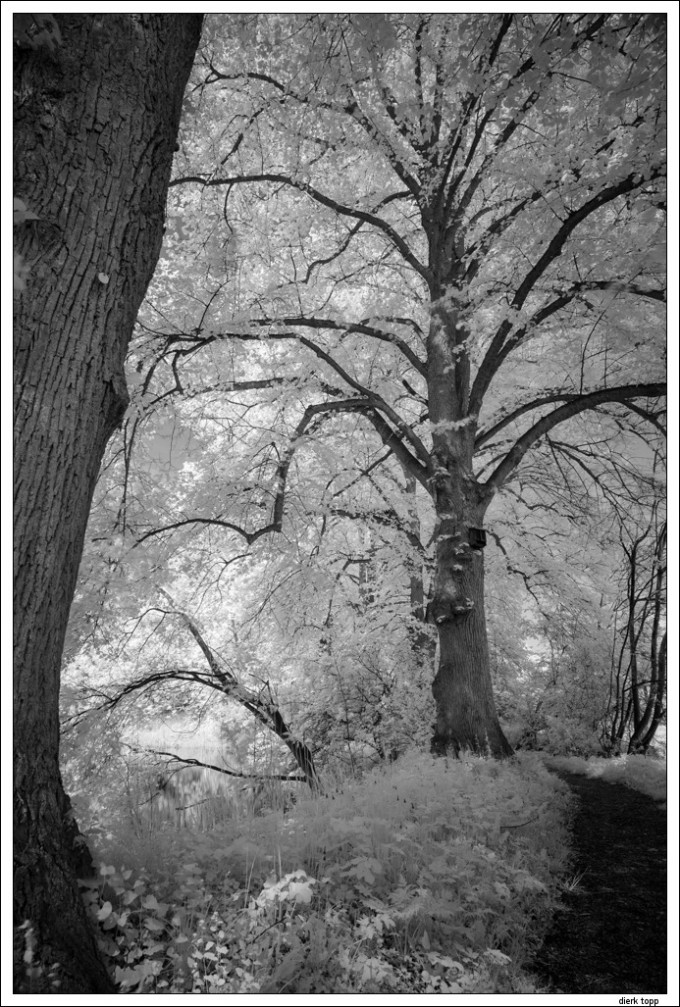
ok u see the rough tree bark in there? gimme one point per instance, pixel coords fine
(96, 121)
(463, 692)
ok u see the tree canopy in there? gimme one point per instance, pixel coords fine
(410, 302)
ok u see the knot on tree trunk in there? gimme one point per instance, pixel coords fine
(449, 608)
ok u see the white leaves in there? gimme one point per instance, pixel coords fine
(445, 426)
(497, 957)
(294, 887)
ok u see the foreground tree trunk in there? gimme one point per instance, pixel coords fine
(96, 120)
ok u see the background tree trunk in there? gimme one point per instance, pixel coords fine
(95, 127)
(466, 712)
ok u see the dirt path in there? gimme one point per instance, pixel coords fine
(610, 937)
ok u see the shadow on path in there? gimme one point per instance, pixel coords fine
(610, 934)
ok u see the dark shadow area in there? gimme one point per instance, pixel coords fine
(610, 935)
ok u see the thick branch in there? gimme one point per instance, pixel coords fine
(352, 231)
(311, 322)
(319, 197)
(392, 440)
(578, 405)
(486, 435)
(250, 537)
(367, 406)
(376, 401)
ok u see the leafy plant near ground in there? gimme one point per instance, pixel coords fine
(426, 876)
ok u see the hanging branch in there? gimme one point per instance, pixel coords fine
(259, 704)
(262, 709)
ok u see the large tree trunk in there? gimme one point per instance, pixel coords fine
(466, 713)
(95, 127)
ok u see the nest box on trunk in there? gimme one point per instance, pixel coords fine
(477, 538)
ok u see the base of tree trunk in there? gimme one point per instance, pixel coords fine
(466, 713)
(55, 948)
(448, 744)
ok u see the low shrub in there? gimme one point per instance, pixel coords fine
(426, 876)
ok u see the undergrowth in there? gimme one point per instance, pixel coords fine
(428, 876)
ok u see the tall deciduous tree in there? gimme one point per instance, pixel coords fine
(96, 118)
(458, 218)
